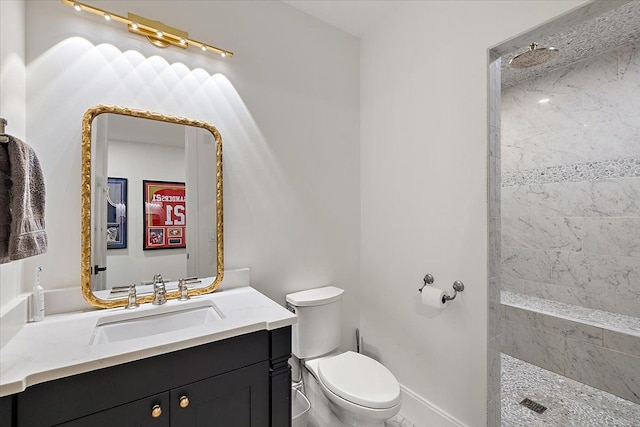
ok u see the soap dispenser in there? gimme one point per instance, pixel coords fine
(38, 298)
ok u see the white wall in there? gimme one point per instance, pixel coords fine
(286, 105)
(424, 138)
(12, 107)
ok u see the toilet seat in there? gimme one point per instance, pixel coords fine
(360, 380)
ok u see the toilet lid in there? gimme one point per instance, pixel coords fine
(360, 380)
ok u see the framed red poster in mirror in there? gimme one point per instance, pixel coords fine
(165, 214)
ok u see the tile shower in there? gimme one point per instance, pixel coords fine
(570, 221)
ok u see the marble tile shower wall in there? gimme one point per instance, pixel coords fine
(571, 184)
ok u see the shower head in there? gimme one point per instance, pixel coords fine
(534, 56)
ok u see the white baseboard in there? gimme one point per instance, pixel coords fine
(423, 413)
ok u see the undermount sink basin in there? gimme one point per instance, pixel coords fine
(157, 320)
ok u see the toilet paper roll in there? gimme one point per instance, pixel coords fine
(433, 297)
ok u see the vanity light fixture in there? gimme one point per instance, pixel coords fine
(156, 32)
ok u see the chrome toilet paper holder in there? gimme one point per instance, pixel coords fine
(458, 286)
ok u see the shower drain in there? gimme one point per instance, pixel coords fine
(534, 406)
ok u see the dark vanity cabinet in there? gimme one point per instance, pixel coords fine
(237, 382)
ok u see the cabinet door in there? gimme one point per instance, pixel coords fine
(239, 398)
(7, 411)
(148, 412)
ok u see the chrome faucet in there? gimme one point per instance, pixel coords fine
(159, 290)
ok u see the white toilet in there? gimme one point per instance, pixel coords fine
(360, 390)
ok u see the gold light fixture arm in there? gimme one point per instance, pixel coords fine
(156, 32)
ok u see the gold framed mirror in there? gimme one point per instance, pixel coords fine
(167, 163)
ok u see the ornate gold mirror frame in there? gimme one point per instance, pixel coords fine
(86, 194)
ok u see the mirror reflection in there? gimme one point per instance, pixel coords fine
(155, 195)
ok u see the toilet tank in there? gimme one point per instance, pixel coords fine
(319, 314)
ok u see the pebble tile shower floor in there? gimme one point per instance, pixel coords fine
(569, 403)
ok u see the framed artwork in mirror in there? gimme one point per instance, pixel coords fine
(116, 213)
(164, 213)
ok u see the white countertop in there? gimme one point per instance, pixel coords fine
(60, 345)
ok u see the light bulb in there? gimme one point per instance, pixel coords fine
(223, 54)
(107, 17)
(183, 41)
(203, 47)
(134, 25)
(159, 33)
(77, 7)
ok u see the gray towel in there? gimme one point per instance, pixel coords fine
(22, 232)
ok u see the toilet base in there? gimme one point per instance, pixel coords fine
(353, 420)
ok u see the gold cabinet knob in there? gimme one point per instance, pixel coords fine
(156, 411)
(184, 401)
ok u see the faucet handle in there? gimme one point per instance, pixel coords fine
(132, 297)
(184, 291)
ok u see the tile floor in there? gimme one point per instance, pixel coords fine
(398, 421)
(569, 403)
